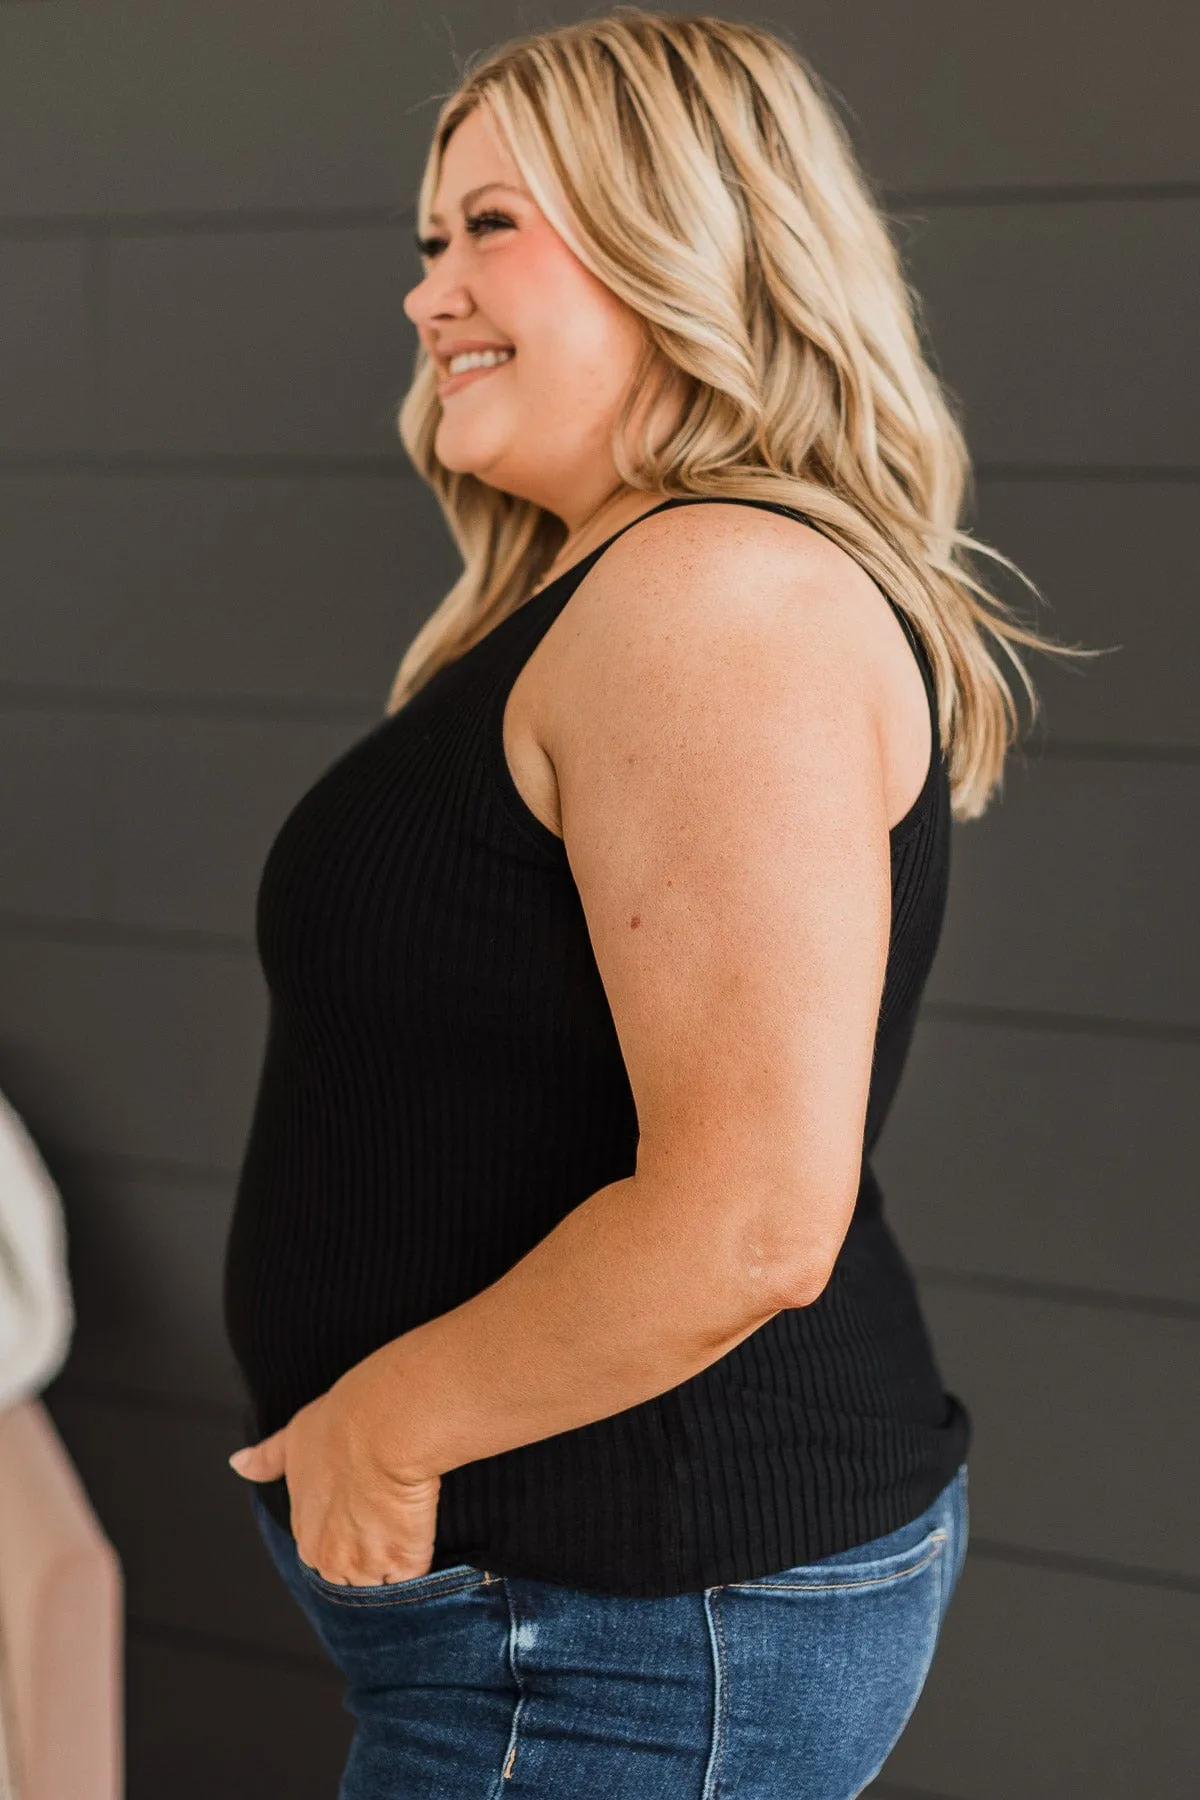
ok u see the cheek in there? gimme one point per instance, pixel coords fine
(570, 329)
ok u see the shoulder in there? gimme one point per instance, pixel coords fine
(691, 550)
(708, 585)
(703, 618)
(704, 639)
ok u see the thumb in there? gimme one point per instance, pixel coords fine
(260, 1462)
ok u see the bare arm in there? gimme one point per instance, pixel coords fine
(724, 813)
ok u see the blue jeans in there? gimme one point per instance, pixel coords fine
(468, 1685)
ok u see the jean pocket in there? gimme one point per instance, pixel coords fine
(870, 1570)
(435, 1584)
(835, 1654)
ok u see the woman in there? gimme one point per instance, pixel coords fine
(598, 1431)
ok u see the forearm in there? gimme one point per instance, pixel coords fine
(621, 1301)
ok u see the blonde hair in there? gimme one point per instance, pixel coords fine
(695, 166)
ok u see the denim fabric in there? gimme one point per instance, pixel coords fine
(470, 1685)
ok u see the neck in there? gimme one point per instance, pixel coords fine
(618, 508)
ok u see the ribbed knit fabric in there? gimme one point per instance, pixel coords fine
(442, 1083)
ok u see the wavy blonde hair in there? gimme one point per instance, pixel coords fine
(697, 168)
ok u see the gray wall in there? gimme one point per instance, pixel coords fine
(213, 560)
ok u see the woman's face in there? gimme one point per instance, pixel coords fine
(497, 273)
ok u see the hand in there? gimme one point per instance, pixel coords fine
(355, 1521)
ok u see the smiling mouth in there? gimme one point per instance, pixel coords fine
(449, 384)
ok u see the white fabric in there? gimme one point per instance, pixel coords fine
(37, 1315)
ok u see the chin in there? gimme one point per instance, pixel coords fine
(465, 453)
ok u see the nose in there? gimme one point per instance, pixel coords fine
(439, 293)
(425, 303)
(426, 308)
(416, 300)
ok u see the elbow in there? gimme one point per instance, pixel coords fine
(806, 1283)
(798, 1266)
(776, 1283)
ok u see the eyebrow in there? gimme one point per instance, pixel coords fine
(436, 218)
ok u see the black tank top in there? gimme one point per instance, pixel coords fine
(442, 1083)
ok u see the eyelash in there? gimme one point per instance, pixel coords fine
(429, 246)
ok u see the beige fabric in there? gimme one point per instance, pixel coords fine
(37, 1314)
(61, 1617)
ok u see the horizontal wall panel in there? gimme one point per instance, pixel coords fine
(197, 803)
(155, 821)
(47, 346)
(146, 1261)
(160, 1483)
(1116, 566)
(137, 105)
(985, 101)
(296, 342)
(1064, 329)
(113, 105)
(1075, 893)
(1047, 1156)
(1037, 1377)
(304, 589)
(131, 1050)
(203, 1723)
(54, 820)
(1046, 1685)
(235, 587)
(146, 1257)
(284, 343)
